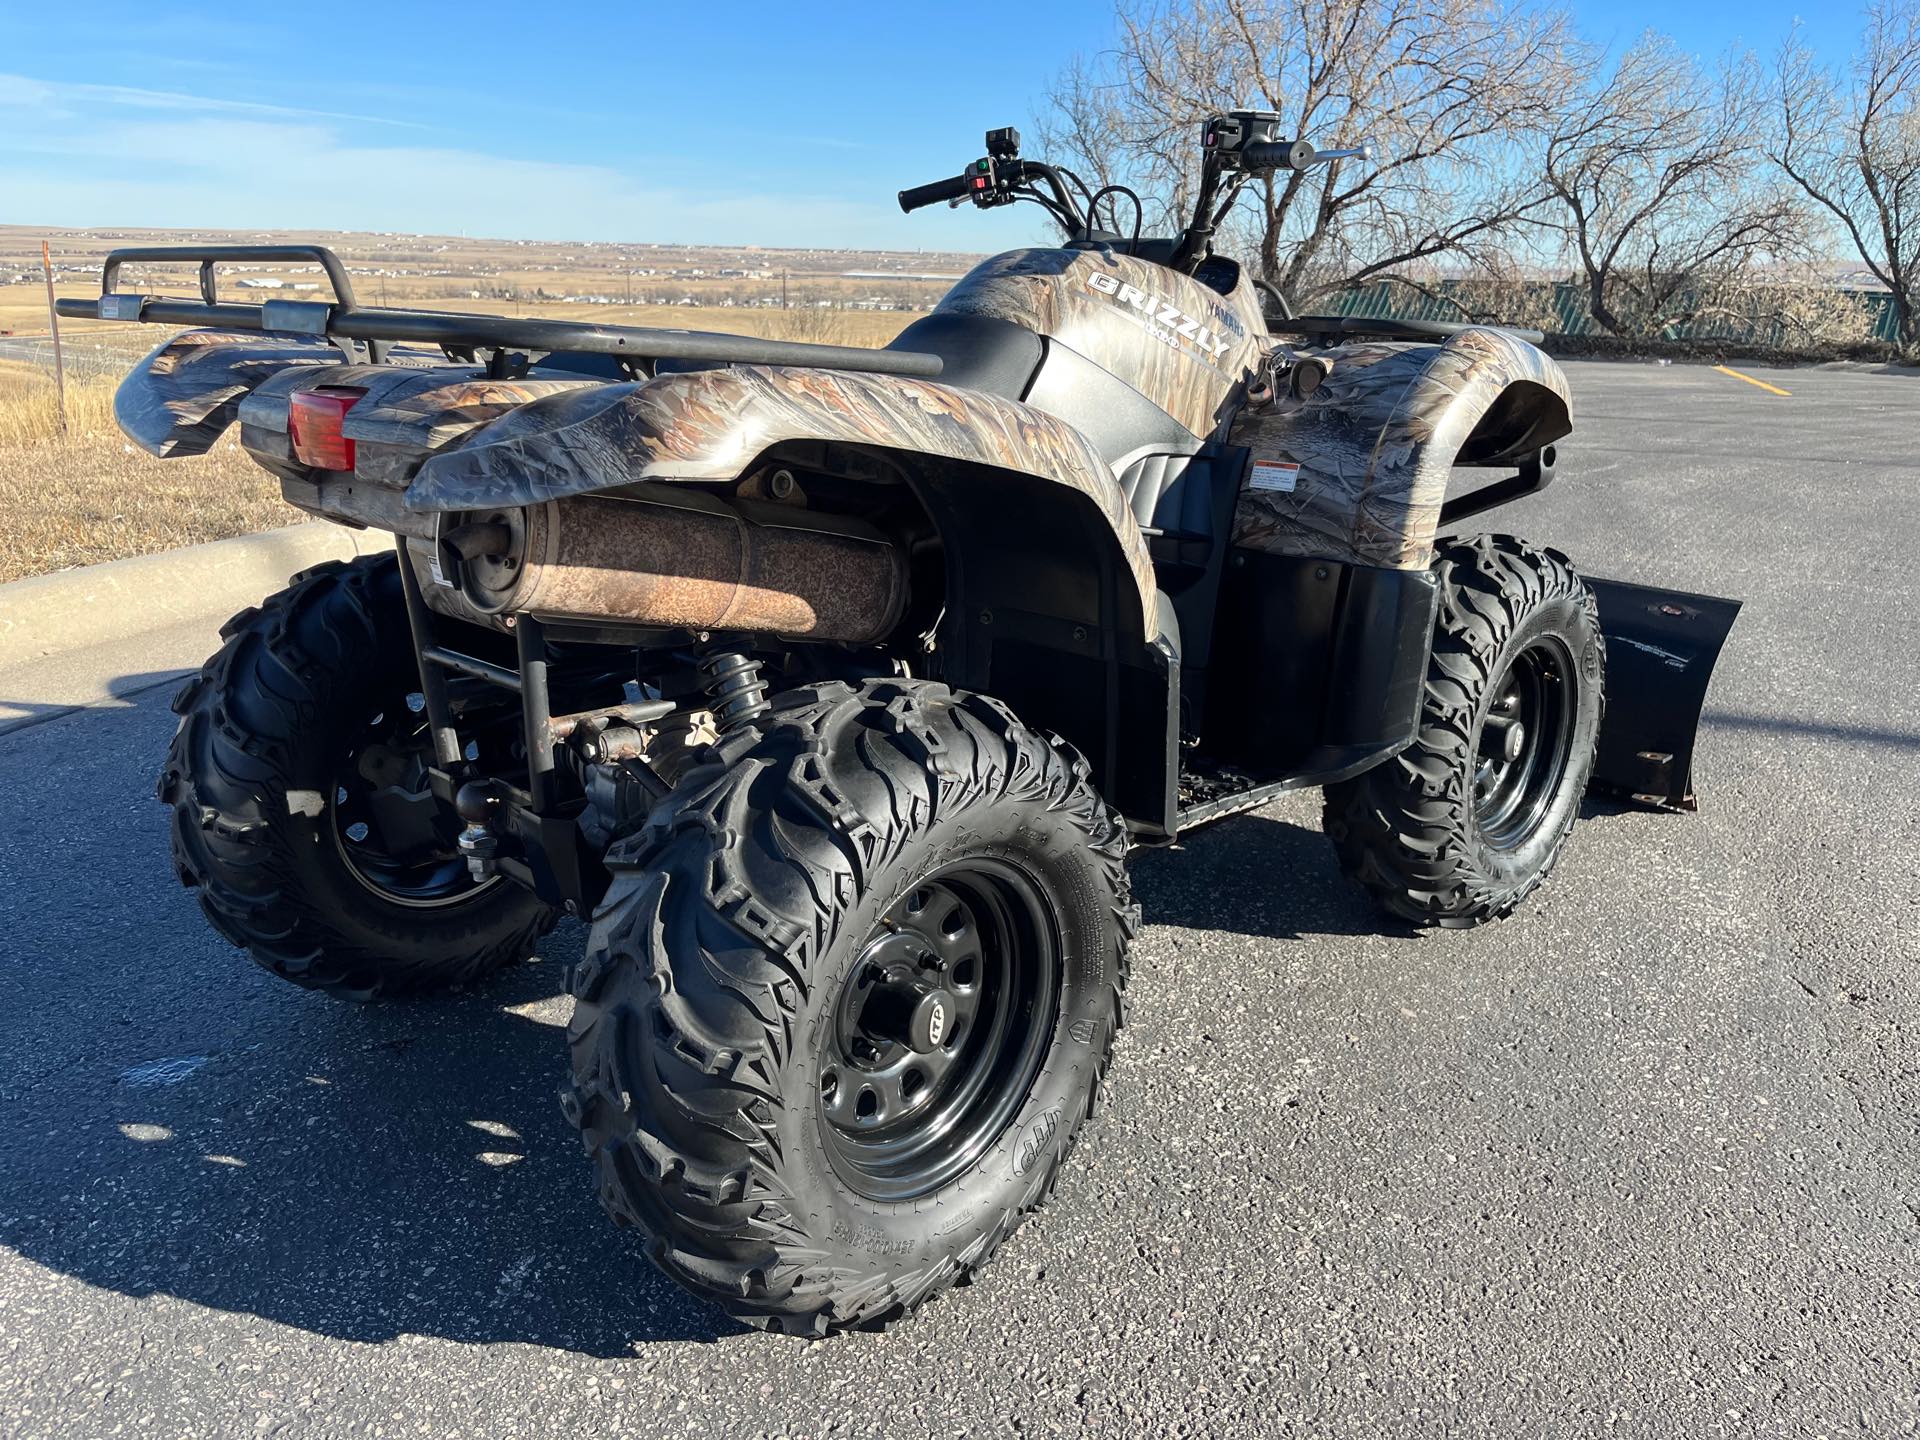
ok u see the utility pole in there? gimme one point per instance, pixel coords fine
(53, 324)
(783, 289)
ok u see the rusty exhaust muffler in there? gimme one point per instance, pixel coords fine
(686, 561)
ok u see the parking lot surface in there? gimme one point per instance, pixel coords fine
(1640, 1160)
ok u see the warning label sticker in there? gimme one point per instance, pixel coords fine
(440, 576)
(1274, 475)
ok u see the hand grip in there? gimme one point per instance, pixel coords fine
(1272, 154)
(919, 195)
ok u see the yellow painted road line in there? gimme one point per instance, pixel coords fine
(1770, 389)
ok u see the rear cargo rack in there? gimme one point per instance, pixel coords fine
(344, 321)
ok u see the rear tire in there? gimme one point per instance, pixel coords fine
(273, 743)
(777, 1152)
(1455, 830)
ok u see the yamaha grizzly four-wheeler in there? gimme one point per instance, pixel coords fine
(834, 686)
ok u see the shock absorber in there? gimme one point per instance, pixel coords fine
(733, 685)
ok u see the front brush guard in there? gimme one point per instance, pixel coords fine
(1661, 649)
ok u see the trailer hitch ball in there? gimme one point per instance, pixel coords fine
(481, 804)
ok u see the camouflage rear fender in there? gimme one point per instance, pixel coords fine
(187, 391)
(713, 424)
(1376, 443)
(405, 412)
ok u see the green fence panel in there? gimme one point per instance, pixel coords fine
(1566, 300)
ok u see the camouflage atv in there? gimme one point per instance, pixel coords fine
(835, 685)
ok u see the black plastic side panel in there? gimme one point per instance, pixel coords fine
(1193, 513)
(1661, 649)
(1114, 416)
(1043, 614)
(569, 363)
(1327, 663)
(1380, 650)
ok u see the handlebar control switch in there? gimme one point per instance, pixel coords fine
(986, 184)
(1003, 144)
(1229, 135)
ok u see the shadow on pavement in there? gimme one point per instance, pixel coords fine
(21, 714)
(1253, 874)
(362, 1173)
(1259, 875)
(1817, 729)
(372, 1172)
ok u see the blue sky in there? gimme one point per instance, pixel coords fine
(778, 124)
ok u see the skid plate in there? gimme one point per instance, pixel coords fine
(1661, 649)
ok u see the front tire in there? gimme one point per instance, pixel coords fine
(1465, 823)
(301, 817)
(849, 1000)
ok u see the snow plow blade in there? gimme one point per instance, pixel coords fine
(1661, 649)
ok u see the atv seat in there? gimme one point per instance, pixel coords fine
(978, 351)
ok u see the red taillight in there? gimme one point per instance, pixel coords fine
(314, 419)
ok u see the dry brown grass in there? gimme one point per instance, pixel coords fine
(29, 414)
(94, 496)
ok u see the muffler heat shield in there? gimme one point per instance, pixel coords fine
(691, 564)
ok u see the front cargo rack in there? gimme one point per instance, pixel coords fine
(345, 322)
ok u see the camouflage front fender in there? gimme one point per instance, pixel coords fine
(713, 424)
(1376, 443)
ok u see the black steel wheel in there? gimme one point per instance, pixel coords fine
(848, 1001)
(1523, 744)
(941, 1027)
(1466, 822)
(301, 816)
(393, 835)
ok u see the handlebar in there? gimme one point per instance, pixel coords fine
(1238, 144)
(917, 196)
(1296, 154)
(1273, 154)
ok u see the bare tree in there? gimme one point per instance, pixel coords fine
(1856, 150)
(1792, 305)
(1497, 289)
(1662, 184)
(1449, 91)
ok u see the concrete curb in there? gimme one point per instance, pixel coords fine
(51, 615)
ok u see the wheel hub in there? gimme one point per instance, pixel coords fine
(394, 835)
(1515, 742)
(900, 1023)
(904, 1012)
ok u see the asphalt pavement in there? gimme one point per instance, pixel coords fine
(1640, 1160)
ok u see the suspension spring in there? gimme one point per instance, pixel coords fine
(734, 687)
